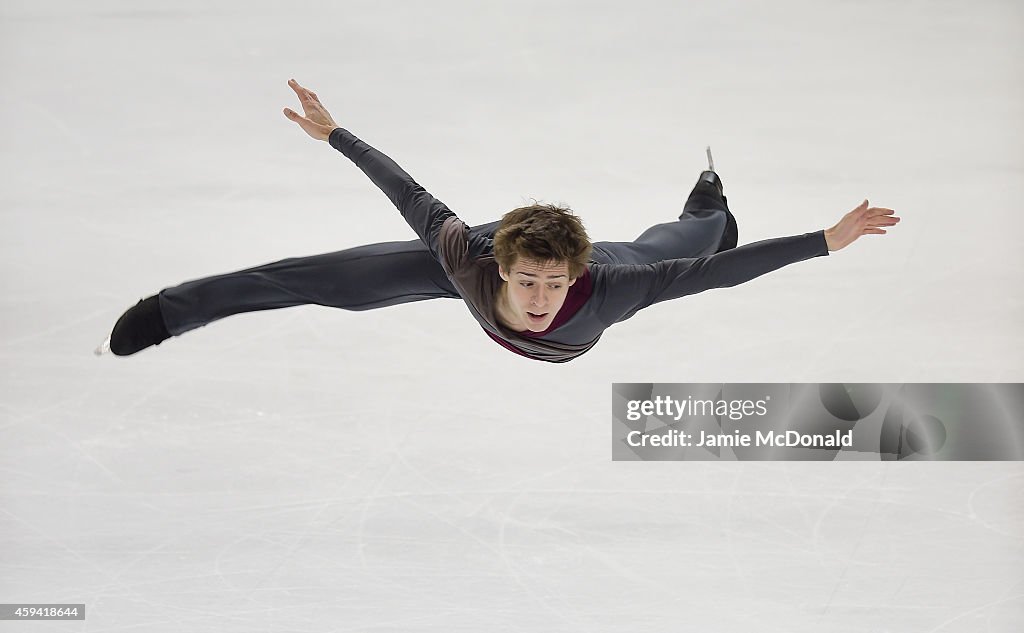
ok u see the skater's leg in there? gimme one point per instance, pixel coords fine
(360, 278)
(485, 229)
(705, 226)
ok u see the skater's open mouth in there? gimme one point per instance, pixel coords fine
(537, 317)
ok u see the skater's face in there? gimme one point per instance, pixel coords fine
(535, 293)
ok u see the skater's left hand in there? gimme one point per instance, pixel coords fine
(861, 221)
(317, 122)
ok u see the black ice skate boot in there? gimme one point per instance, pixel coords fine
(731, 234)
(139, 327)
(710, 184)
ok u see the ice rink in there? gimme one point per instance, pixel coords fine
(317, 470)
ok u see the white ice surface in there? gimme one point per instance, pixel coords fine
(312, 469)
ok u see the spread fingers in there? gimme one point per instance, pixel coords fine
(300, 91)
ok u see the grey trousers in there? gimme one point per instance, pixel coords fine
(392, 273)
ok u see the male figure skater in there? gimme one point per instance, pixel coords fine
(533, 281)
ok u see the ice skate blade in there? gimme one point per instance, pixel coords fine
(711, 162)
(104, 347)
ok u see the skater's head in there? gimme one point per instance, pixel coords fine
(542, 233)
(541, 250)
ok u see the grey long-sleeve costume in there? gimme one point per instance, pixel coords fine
(453, 260)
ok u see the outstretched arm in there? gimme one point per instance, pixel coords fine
(633, 287)
(424, 213)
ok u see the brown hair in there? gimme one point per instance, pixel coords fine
(545, 233)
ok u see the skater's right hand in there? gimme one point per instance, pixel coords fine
(317, 122)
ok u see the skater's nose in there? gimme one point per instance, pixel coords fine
(539, 298)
